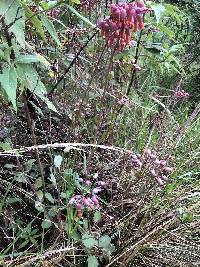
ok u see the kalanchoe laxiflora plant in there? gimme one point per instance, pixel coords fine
(123, 18)
(88, 199)
(153, 166)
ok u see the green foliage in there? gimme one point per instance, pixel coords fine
(89, 241)
(58, 161)
(50, 28)
(92, 261)
(14, 16)
(8, 80)
(159, 11)
(20, 67)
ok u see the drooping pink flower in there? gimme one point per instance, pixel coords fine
(72, 200)
(88, 182)
(95, 176)
(165, 178)
(168, 169)
(153, 156)
(159, 181)
(163, 162)
(95, 200)
(157, 162)
(96, 190)
(101, 183)
(153, 172)
(86, 201)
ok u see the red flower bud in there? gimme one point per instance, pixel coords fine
(135, 25)
(114, 26)
(132, 13)
(78, 206)
(140, 22)
(79, 213)
(140, 3)
(116, 14)
(122, 14)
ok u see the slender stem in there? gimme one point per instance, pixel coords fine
(136, 60)
(72, 62)
(30, 124)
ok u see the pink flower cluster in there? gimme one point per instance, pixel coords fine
(158, 167)
(152, 165)
(124, 17)
(181, 94)
(135, 161)
(84, 201)
(88, 200)
(122, 100)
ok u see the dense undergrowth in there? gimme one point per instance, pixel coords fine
(99, 133)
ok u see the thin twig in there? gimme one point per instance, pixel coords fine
(72, 62)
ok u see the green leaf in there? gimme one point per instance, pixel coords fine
(89, 23)
(8, 81)
(58, 161)
(39, 206)
(38, 183)
(49, 197)
(5, 146)
(34, 20)
(2, 55)
(46, 224)
(75, 1)
(53, 212)
(37, 109)
(92, 261)
(13, 200)
(154, 50)
(28, 59)
(97, 216)
(50, 28)
(23, 244)
(49, 104)
(30, 79)
(40, 195)
(9, 166)
(159, 10)
(29, 164)
(166, 30)
(89, 241)
(52, 178)
(174, 12)
(20, 177)
(14, 16)
(104, 241)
